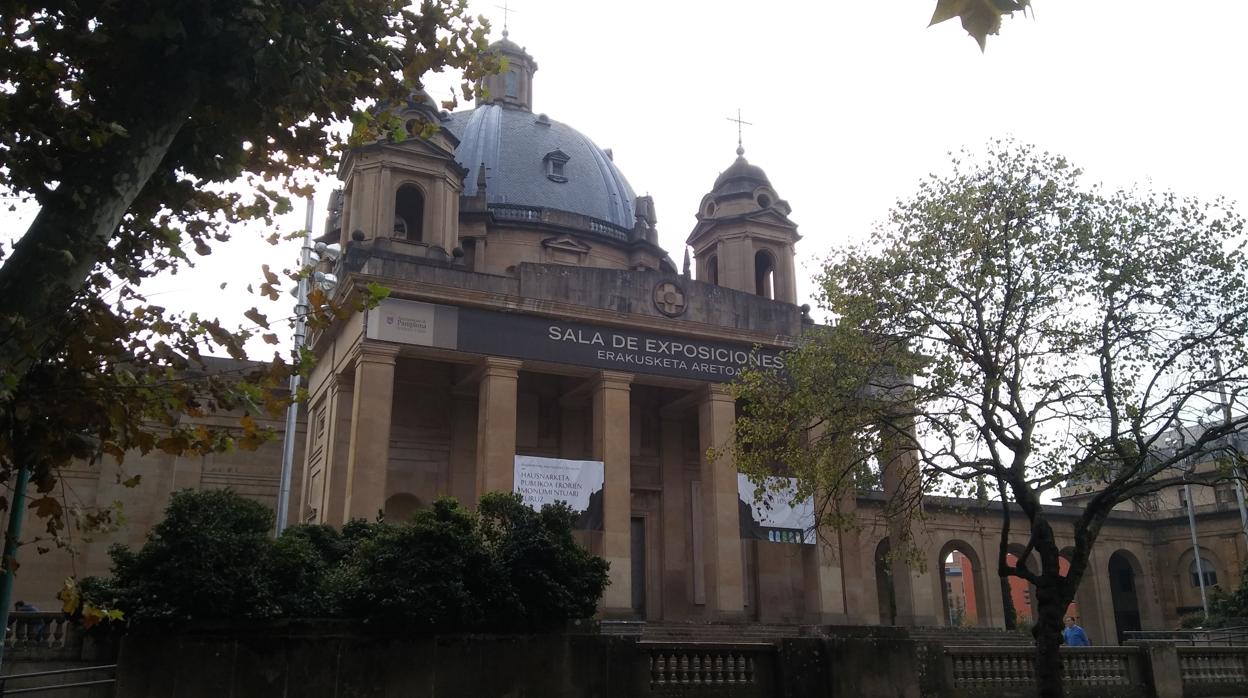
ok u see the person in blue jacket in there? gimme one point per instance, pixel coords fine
(1073, 635)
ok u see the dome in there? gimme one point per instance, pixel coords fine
(531, 160)
(740, 178)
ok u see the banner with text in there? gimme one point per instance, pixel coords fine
(776, 517)
(543, 481)
(520, 336)
(634, 351)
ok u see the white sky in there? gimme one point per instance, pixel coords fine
(852, 104)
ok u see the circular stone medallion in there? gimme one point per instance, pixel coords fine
(669, 298)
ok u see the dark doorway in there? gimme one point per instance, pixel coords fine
(1122, 583)
(638, 555)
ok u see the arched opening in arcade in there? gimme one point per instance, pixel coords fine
(1022, 593)
(961, 585)
(1072, 609)
(884, 591)
(1124, 576)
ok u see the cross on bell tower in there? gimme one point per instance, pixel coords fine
(506, 12)
(740, 123)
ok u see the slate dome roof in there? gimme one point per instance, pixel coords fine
(514, 144)
(740, 178)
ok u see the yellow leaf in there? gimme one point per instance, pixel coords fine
(69, 596)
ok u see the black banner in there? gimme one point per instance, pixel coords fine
(528, 337)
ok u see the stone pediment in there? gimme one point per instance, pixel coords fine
(771, 217)
(766, 220)
(566, 243)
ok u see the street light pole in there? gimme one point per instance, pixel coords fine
(1200, 567)
(292, 411)
(1236, 470)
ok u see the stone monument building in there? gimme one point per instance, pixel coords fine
(538, 339)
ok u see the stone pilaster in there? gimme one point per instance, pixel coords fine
(725, 594)
(371, 408)
(496, 425)
(332, 506)
(613, 446)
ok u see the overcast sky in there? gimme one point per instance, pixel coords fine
(852, 104)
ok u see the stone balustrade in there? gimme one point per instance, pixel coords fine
(1205, 670)
(1011, 671)
(40, 630)
(737, 669)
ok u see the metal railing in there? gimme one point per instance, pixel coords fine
(1212, 637)
(5, 680)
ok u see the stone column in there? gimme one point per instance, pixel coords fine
(822, 566)
(613, 446)
(900, 473)
(496, 426)
(332, 507)
(1101, 621)
(859, 587)
(370, 430)
(675, 521)
(725, 595)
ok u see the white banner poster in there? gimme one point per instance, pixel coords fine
(543, 481)
(777, 517)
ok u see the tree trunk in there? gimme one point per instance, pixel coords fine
(1047, 632)
(1007, 604)
(54, 258)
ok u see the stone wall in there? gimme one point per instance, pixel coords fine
(312, 659)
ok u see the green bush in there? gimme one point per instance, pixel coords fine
(431, 573)
(549, 579)
(505, 568)
(209, 558)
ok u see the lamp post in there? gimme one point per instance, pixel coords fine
(1200, 566)
(309, 255)
(1191, 521)
(1234, 442)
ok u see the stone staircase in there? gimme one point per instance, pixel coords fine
(728, 633)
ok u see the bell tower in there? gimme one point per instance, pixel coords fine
(407, 190)
(744, 239)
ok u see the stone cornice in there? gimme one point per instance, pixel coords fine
(458, 296)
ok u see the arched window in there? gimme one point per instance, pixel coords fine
(712, 269)
(764, 274)
(409, 213)
(1206, 569)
